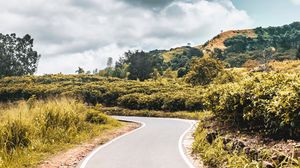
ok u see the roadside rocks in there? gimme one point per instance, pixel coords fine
(211, 136)
(252, 151)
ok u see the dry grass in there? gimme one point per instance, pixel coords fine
(286, 66)
(218, 41)
(33, 130)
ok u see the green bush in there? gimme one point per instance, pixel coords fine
(95, 117)
(204, 70)
(266, 102)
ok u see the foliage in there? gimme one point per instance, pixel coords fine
(96, 117)
(285, 39)
(151, 113)
(263, 102)
(203, 71)
(218, 154)
(140, 64)
(266, 102)
(17, 55)
(80, 70)
(298, 53)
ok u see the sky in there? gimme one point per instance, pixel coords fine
(84, 33)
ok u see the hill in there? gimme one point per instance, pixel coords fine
(235, 47)
(218, 41)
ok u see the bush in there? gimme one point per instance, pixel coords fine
(268, 103)
(203, 71)
(95, 117)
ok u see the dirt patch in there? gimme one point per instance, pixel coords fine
(218, 41)
(71, 157)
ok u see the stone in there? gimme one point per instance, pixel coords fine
(210, 137)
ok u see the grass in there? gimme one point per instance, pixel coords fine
(32, 131)
(150, 113)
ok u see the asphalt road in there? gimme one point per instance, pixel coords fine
(157, 144)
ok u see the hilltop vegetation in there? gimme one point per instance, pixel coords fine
(244, 46)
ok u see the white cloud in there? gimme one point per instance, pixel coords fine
(297, 2)
(72, 33)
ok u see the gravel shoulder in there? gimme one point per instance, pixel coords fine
(72, 157)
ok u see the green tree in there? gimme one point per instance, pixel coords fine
(80, 70)
(140, 65)
(204, 70)
(298, 53)
(17, 55)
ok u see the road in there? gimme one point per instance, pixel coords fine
(156, 144)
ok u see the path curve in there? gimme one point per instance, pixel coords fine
(156, 144)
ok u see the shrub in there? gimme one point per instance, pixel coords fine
(267, 102)
(95, 117)
(203, 71)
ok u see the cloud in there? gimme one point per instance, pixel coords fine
(297, 2)
(72, 33)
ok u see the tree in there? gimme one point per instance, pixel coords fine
(140, 65)
(204, 70)
(80, 70)
(109, 62)
(17, 55)
(218, 54)
(298, 53)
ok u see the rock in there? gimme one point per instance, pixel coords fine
(225, 142)
(210, 137)
(238, 145)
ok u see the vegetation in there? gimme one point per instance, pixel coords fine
(265, 102)
(219, 149)
(204, 71)
(17, 55)
(150, 113)
(180, 82)
(33, 130)
(240, 48)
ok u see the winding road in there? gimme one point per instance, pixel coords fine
(156, 144)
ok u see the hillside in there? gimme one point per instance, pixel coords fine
(218, 41)
(235, 47)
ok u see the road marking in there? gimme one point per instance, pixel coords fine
(84, 163)
(180, 146)
(180, 142)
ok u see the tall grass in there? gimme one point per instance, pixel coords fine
(32, 130)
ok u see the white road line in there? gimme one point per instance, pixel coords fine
(180, 146)
(180, 142)
(84, 163)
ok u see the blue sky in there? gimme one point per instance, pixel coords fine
(270, 12)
